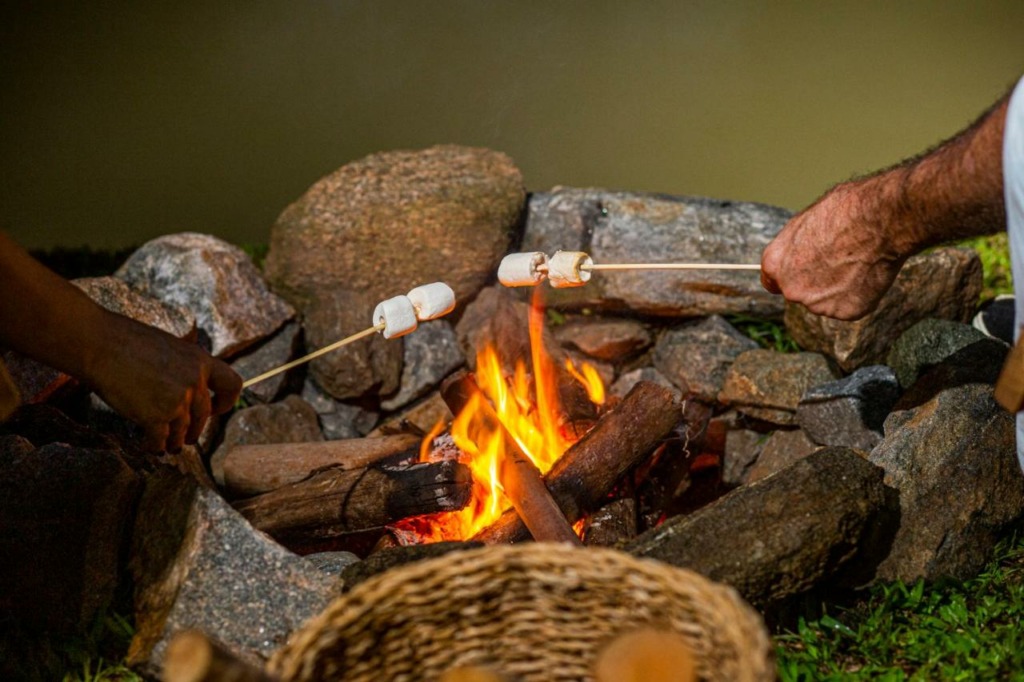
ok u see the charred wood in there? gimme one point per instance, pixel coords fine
(336, 502)
(589, 470)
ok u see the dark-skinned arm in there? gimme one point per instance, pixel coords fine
(162, 383)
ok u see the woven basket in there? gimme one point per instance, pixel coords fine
(535, 612)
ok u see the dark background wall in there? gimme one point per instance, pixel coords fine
(123, 121)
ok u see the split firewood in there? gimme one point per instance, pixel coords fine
(520, 478)
(647, 655)
(590, 468)
(254, 469)
(193, 657)
(336, 502)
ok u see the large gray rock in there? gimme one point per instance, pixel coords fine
(786, 533)
(630, 227)
(928, 343)
(115, 295)
(214, 280)
(391, 221)
(944, 283)
(765, 384)
(849, 411)
(368, 367)
(198, 564)
(949, 450)
(432, 352)
(696, 356)
(496, 317)
(65, 518)
(625, 383)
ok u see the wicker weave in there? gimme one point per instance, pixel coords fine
(536, 612)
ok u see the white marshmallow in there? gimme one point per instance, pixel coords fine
(522, 269)
(398, 316)
(565, 269)
(432, 300)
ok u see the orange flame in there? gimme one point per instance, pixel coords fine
(529, 408)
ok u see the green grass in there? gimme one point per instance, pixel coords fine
(994, 252)
(767, 334)
(98, 655)
(957, 631)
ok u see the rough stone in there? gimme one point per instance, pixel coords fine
(332, 563)
(603, 338)
(696, 356)
(949, 450)
(625, 383)
(65, 519)
(34, 381)
(198, 564)
(631, 227)
(742, 449)
(432, 352)
(115, 295)
(850, 411)
(399, 219)
(214, 280)
(768, 385)
(393, 557)
(928, 343)
(368, 367)
(944, 283)
(338, 420)
(783, 448)
(819, 519)
(274, 352)
(292, 420)
(419, 418)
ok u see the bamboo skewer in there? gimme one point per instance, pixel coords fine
(315, 354)
(672, 266)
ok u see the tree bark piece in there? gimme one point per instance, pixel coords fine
(255, 469)
(194, 657)
(589, 469)
(523, 484)
(336, 502)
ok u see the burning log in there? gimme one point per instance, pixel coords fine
(523, 483)
(336, 502)
(588, 470)
(254, 469)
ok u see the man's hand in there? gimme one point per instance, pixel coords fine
(160, 382)
(837, 257)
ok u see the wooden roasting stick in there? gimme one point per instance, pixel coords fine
(590, 468)
(193, 657)
(523, 484)
(394, 317)
(573, 268)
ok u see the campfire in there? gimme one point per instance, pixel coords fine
(534, 447)
(498, 417)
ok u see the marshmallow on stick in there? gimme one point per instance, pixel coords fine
(393, 318)
(573, 268)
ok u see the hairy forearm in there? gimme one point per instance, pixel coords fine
(950, 192)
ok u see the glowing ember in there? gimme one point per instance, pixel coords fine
(527, 404)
